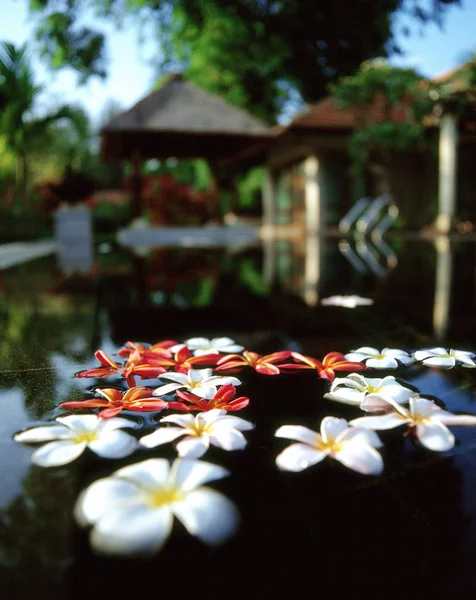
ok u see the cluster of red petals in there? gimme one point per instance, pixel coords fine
(266, 364)
(334, 361)
(132, 367)
(137, 399)
(159, 348)
(224, 399)
(181, 361)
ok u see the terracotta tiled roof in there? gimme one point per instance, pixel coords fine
(324, 115)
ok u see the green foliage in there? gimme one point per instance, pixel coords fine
(254, 53)
(390, 105)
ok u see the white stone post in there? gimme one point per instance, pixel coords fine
(312, 265)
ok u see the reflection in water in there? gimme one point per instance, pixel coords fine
(441, 309)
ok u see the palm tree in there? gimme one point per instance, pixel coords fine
(18, 92)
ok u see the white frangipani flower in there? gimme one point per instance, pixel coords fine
(354, 388)
(74, 434)
(212, 427)
(197, 381)
(200, 346)
(350, 446)
(427, 420)
(446, 359)
(388, 358)
(133, 510)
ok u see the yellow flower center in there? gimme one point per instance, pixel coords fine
(198, 429)
(85, 436)
(330, 446)
(419, 419)
(165, 495)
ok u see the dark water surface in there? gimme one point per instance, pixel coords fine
(326, 531)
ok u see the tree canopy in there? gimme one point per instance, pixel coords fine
(255, 53)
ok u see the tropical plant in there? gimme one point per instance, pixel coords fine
(20, 129)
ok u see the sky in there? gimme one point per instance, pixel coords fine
(131, 76)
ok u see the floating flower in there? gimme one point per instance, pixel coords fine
(426, 420)
(354, 388)
(113, 401)
(334, 361)
(198, 381)
(446, 359)
(74, 434)
(201, 345)
(351, 446)
(224, 399)
(132, 511)
(132, 366)
(266, 365)
(181, 361)
(213, 427)
(159, 348)
(347, 301)
(388, 358)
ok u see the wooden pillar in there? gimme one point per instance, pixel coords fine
(448, 150)
(136, 185)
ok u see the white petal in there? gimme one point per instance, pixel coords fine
(346, 396)
(222, 341)
(332, 428)
(298, 457)
(198, 342)
(367, 350)
(193, 446)
(382, 363)
(189, 474)
(43, 434)
(230, 422)
(424, 354)
(58, 453)
(389, 421)
(203, 351)
(208, 515)
(231, 349)
(199, 375)
(354, 381)
(103, 496)
(449, 419)
(228, 439)
(147, 473)
(80, 422)
(181, 420)
(205, 391)
(176, 377)
(367, 436)
(115, 423)
(396, 392)
(223, 380)
(400, 355)
(360, 457)
(114, 444)
(465, 358)
(382, 402)
(133, 530)
(441, 362)
(299, 433)
(210, 416)
(435, 436)
(423, 407)
(163, 435)
(166, 389)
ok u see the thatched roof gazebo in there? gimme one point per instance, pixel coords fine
(180, 120)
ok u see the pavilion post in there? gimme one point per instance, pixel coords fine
(448, 150)
(136, 185)
(269, 201)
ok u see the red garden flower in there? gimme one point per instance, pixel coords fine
(266, 365)
(181, 361)
(334, 361)
(223, 399)
(138, 399)
(110, 367)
